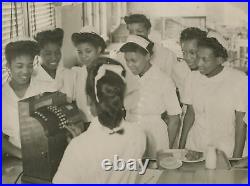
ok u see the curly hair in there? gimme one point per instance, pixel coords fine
(138, 18)
(132, 47)
(192, 33)
(92, 38)
(213, 43)
(50, 36)
(19, 48)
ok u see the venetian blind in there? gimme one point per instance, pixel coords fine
(12, 27)
(41, 17)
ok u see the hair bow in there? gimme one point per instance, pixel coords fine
(102, 71)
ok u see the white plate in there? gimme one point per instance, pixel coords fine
(174, 166)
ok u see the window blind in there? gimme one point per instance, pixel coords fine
(12, 27)
(24, 19)
(41, 17)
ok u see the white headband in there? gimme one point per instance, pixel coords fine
(101, 72)
(219, 38)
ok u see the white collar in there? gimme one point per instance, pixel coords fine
(13, 94)
(41, 74)
(149, 74)
(96, 124)
(217, 77)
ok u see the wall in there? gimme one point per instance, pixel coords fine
(216, 13)
(166, 9)
(69, 18)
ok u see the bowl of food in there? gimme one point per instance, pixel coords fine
(167, 160)
(193, 156)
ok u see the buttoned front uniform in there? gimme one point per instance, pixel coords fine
(215, 101)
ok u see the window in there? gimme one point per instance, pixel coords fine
(24, 19)
(12, 27)
(101, 16)
(41, 17)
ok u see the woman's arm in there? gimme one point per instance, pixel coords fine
(9, 148)
(187, 124)
(173, 128)
(240, 134)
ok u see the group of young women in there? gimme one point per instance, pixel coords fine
(125, 99)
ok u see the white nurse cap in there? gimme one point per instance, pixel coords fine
(219, 38)
(138, 40)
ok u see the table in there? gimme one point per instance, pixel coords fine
(194, 173)
(188, 173)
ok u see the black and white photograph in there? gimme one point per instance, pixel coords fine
(124, 92)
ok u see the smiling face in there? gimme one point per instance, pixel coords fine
(208, 63)
(138, 29)
(190, 49)
(51, 55)
(87, 53)
(137, 62)
(21, 69)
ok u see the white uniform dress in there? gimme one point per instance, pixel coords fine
(75, 85)
(165, 60)
(10, 117)
(155, 95)
(215, 101)
(83, 157)
(41, 77)
(72, 82)
(179, 75)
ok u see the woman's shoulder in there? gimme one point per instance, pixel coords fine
(80, 141)
(194, 76)
(157, 74)
(132, 129)
(235, 76)
(90, 134)
(160, 78)
(235, 72)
